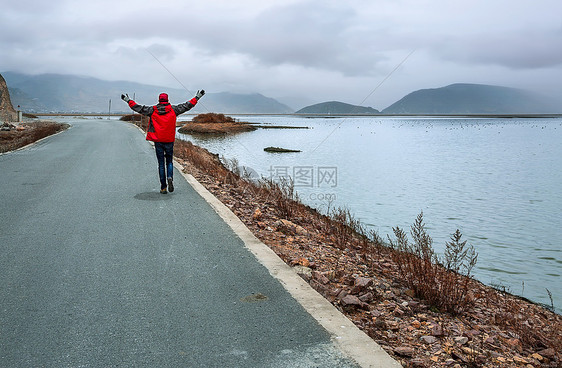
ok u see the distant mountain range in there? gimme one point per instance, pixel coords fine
(455, 99)
(473, 99)
(71, 93)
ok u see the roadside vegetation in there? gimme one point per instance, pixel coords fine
(13, 137)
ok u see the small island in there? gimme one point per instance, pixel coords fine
(215, 124)
(279, 150)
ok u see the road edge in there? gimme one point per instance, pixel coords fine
(346, 336)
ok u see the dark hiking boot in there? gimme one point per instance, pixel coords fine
(163, 191)
(170, 185)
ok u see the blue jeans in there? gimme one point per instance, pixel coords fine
(165, 151)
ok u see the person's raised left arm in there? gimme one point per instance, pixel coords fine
(186, 106)
(141, 109)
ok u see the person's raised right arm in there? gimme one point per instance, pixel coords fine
(141, 109)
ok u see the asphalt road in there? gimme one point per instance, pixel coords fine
(98, 269)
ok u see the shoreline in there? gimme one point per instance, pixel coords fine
(475, 116)
(362, 281)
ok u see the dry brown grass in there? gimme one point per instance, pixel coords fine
(203, 160)
(212, 118)
(14, 139)
(215, 124)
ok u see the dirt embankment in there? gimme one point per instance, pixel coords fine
(13, 137)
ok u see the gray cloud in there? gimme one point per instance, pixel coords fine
(519, 50)
(322, 49)
(307, 34)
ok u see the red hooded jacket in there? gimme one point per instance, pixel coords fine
(162, 124)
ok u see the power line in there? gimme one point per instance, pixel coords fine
(365, 99)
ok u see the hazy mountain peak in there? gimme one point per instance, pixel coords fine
(335, 108)
(73, 93)
(466, 98)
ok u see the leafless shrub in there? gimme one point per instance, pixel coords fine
(232, 165)
(343, 226)
(459, 257)
(340, 230)
(283, 195)
(446, 287)
(376, 239)
(520, 320)
(201, 159)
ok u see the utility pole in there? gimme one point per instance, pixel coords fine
(134, 99)
(109, 117)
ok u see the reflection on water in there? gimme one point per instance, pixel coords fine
(497, 180)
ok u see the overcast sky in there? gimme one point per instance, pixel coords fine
(298, 51)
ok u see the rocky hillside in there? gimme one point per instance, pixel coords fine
(7, 111)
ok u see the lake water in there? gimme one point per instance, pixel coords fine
(497, 180)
